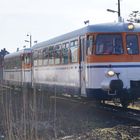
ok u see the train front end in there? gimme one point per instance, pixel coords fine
(113, 63)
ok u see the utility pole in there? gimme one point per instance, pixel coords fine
(30, 40)
(118, 11)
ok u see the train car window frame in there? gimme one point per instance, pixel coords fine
(40, 57)
(18, 63)
(51, 55)
(57, 53)
(74, 51)
(35, 54)
(65, 53)
(45, 56)
(35, 57)
(132, 45)
(109, 44)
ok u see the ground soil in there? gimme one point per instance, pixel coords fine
(39, 117)
(81, 122)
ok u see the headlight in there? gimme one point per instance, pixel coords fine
(131, 26)
(110, 73)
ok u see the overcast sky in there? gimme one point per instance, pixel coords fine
(45, 19)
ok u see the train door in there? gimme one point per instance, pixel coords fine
(26, 69)
(83, 66)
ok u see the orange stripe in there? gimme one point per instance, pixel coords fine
(113, 58)
(116, 58)
(26, 66)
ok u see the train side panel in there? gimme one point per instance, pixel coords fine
(63, 77)
(13, 76)
(18, 68)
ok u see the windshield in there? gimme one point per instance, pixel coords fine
(109, 44)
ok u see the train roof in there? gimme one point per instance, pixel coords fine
(97, 28)
(18, 53)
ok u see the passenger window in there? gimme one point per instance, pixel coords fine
(132, 44)
(35, 56)
(40, 57)
(57, 54)
(51, 55)
(109, 44)
(65, 52)
(74, 51)
(18, 62)
(45, 56)
(89, 45)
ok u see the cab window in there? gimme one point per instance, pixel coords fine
(109, 44)
(132, 44)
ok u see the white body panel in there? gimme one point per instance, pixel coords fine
(67, 75)
(96, 73)
(17, 76)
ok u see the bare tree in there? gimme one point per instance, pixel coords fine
(134, 17)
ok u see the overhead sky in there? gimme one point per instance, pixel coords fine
(45, 19)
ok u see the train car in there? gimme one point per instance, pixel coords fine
(18, 68)
(99, 62)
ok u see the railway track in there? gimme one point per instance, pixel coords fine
(127, 114)
(124, 114)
